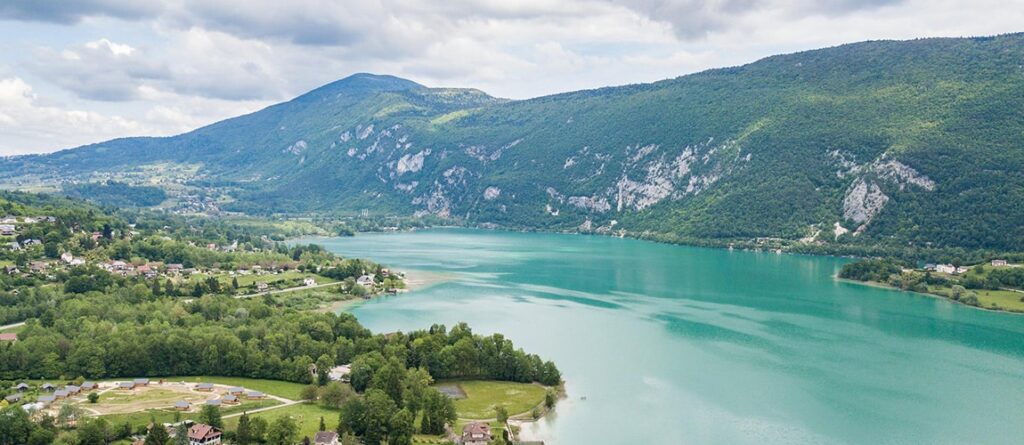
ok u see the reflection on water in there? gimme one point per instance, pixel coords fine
(673, 344)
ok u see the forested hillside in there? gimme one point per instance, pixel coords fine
(894, 143)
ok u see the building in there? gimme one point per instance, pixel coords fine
(261, 287)
(213, 402)
(236, 390)
(38, 266)
(945, 268)
(229, 399)
(309, 282)
(182, 405)
(67, 257)
(9, 336)
(255, 395)
(999, 263)
(48, 387)
(961, 269)
(325, 438)
(46, 400)
(13, 398)
(22, 387)
(72, 389)
(203, 434)
(476, 433)
(7, 230)
(88, 386)
(365, 281)
(60, 394)
(126, 385)
(204, 387)
(141, 382)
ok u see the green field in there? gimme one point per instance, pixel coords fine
(482, 396)
(306, 415)
(278, 388)
(290, 278)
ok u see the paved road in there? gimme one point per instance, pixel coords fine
(290, 289)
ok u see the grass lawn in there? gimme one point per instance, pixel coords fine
(14, 329)
(306, 415)
(278, 388)
(482, 396)
(1005, 299)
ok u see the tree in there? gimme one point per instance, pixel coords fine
(258, 429)
(15, 426)
(234, 283)
(210, 415)
(501, 414)
(380, 408)
(335, 394)
(93, 433)
(323, 369)
(438, 410)
(323, 426)
(181, 434)
(283, 431)
(309, 393)
(40, 436)
(68, 413)
(157, 435)
(169, 288)
(550, 397)
(243, 434)
(94, 397)
(402, 427)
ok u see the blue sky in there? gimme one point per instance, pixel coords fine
(76, 72)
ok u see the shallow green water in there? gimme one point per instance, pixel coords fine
(678, 345)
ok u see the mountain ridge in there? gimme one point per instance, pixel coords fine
(912, 143)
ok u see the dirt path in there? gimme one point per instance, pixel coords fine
(290, 289)
(284, 402)
(12, 326)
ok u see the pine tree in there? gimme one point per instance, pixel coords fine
(157, 435)
(243, 435)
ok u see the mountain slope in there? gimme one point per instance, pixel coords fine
(902, 143)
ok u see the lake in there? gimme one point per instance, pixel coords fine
(683, 345)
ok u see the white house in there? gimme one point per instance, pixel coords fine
(67, 257)
(945, 268)
(7, 230)
(309, 282)
(365, 280)
(998, 263)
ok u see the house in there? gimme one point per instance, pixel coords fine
(213, 402)
(998, 263)
(262, 287)
(255, 395)
(13, 398)
(88, 386)
(7, 230)
(22, 387)
(961, 269)
(476, 433)
(340, 372)
(14, 246)
(48, 387)
(33, 407)
(46, 400)
(945, 268)
(204, 387)
(929, 266)
(31, 242)
(229, 399)
(236, 390)
(174, 268)
(203, 434)
(9, 336)
(9, 220)
(126, 385)
(141, 382)
(325, 438)
(365, 281)
(309, 282)
(72, 389)
(60, 394)
(67, 257)
(182, 405)
(38, 266)
(11, 270)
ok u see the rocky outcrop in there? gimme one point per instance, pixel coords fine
(863, 201)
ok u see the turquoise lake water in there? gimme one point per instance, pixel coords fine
(679, 345)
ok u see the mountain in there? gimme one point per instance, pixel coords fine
(902, 143)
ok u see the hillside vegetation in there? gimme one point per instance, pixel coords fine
(899, 144)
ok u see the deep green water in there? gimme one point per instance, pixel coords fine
(680, 345)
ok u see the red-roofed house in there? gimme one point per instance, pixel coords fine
(10, 336)
(476, 433)
(203, 434)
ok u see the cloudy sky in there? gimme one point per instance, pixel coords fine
(79, 71)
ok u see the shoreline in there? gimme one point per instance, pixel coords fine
(926, 294)
(415, 280)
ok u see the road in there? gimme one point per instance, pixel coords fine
(12, 326)
(290, 289)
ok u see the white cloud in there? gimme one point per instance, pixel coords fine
(174, 65)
